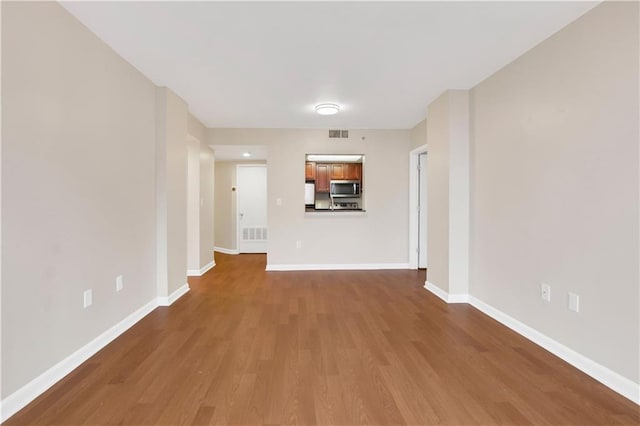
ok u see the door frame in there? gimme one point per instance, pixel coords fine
(238, 233)
(413, 205)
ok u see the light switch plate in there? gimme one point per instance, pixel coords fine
(88, 298)
(574, 302)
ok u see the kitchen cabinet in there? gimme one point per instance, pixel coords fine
(346, 171)
(337, 171)
(322, 177)
(310, 170)
(353, 171)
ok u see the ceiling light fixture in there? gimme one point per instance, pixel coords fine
(246, 154)
(327, 109)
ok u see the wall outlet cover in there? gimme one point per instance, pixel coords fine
(545, 292)
(119, 283)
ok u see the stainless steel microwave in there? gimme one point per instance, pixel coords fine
(344, 188)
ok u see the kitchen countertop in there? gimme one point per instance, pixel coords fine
(311, 212)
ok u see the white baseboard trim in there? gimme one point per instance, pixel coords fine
(449, 298)
(225, 250)
(23, 396)
(616, 382)
(200, 272)
(335, 267)
(620, 384)
(168, 301)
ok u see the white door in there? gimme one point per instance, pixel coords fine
(422, 210)
(251, 187)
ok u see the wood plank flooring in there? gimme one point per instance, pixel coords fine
(329, 348)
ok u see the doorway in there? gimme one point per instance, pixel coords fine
(251, 199)
(418, 187)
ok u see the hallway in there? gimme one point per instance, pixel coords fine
(330, 347)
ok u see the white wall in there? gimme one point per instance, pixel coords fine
(555, 187)
(380, 236)
(78, 194)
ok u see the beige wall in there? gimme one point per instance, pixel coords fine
(225, 205)
(380, 236)
(78, 141)
(195, 128)
(171, 190)
(438, 193)
(458, 191)
(419, 135)
(200, 225)
(207, 218)
(193, 205)
(555, 187)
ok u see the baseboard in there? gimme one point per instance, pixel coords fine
(168, 301)
(200, 272)
(225, 250)
(620, 384)
(23, 396)
(449, 298)
(335, 267)
(616, 382)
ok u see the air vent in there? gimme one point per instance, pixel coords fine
(338, 134)
(254, 234)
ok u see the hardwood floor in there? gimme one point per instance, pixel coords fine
(344, 348)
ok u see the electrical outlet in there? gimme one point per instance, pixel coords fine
(119, 283)
(545, 292)
(298, 244)
(574, 302)
(88, 298)
(278, 201)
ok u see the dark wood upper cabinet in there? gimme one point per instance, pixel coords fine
(353, 171)
(346, 171)
(337, 171)
(322, 177)
(310, 170)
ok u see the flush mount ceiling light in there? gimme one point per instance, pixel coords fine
(246, 154)
(327, 109)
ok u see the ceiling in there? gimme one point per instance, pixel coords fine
(235, 152)
(266, 64)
